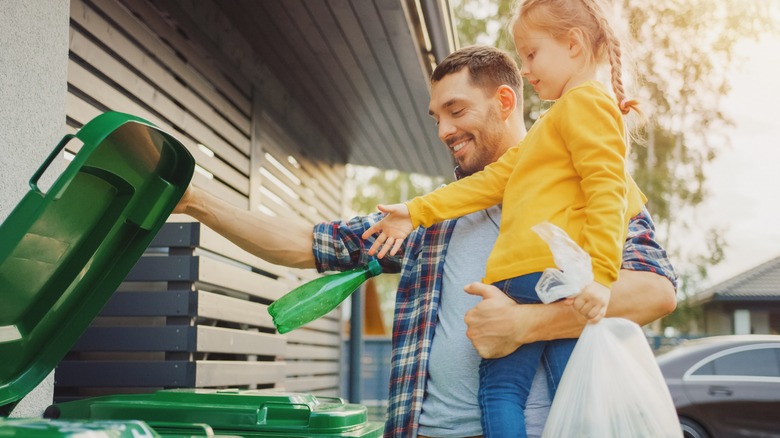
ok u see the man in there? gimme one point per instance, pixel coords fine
(476, 102)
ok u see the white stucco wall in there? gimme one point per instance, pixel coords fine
(33, 86)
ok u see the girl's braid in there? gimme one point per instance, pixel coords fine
(613, 53)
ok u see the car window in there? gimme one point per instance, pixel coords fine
(764, 362)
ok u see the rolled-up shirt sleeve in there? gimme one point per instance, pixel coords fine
(339, 245)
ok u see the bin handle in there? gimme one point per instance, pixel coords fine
(179, 427)
(38, 173)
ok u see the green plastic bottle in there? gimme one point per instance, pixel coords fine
(314, 299)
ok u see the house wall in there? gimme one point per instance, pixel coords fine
(720, 319)
(33, 44)
(759, 322)
(179, 65)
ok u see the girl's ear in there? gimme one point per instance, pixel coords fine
(576, 42)
(507, 100)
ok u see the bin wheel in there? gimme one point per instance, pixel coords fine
(52, 412)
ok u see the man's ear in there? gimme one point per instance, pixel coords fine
(507, 100)
(576, 42)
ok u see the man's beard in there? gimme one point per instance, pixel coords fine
(485, 150)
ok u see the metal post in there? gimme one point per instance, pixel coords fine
(356, 346)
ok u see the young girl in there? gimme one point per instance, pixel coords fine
(570, 170)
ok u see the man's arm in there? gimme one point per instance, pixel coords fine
(280, 241)
(498, 325)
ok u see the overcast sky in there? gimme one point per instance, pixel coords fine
(743, 181)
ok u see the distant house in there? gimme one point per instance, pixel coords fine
(747, 303)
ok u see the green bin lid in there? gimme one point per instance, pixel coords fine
(235, 412)
(64, 252)
(38, 428)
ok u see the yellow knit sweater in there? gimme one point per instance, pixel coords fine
(569, 170)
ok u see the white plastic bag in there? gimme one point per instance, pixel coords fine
(574, 266)
(612, 386)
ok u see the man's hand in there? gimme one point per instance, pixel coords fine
(497, 325)
(492, 322)
(392, 229)
(591, 302)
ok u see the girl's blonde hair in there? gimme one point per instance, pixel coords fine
(558, 17)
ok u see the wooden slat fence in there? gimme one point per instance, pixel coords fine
(193, 311)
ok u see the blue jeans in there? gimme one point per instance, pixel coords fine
(504, 383)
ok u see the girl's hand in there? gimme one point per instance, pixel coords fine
(592, 301)
(392, 229)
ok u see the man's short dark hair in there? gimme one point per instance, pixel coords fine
(489, 68)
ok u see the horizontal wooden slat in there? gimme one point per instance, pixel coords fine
(223, 308)
(227, 161)
(200, 339)
(220, 92)
(291, 204)
(224, 373)
(281, 144)
(308, 367)
(229, 277)
(311, 383)
(169, 81)
(224, 340)
(125, 374)
(295, 351)
(198, 51)
(86, 81)
(172, 338)
(305, 190)
(206, 272)
(175, 374)
(314, 337)
(328, 323)
(158, 303)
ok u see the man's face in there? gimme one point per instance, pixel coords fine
(469, 121)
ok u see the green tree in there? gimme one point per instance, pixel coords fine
(369, 186)
(681, 53)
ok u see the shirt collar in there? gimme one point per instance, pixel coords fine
(458, 173)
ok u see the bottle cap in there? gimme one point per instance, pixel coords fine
(374, 268)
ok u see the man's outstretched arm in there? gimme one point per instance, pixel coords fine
(498, 325)
(280, 241)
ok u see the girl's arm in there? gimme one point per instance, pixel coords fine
(597, 147)
(592, 127)
(473, 193)
(392, 229)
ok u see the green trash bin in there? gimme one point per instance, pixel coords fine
(38, 428)
(63, 252)
(247, 413)
(62, 255)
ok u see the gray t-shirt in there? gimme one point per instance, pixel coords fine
(450, 406)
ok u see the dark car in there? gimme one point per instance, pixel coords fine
(726, 386)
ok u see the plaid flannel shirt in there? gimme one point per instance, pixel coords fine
(339, 246)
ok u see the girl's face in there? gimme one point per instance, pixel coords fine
(550, 65)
